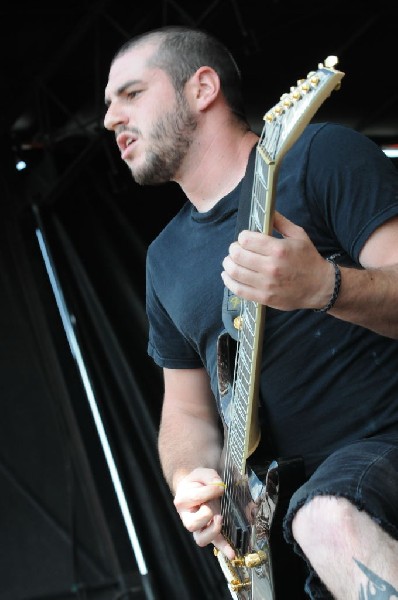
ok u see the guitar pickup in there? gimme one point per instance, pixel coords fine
(239, 534)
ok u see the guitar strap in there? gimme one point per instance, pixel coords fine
(231, 302)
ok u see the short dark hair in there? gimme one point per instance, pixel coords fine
(183, 50)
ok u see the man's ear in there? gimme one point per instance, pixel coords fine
(205, 87)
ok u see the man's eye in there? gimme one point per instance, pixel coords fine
(132, 95)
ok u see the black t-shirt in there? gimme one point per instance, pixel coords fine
(324, 382)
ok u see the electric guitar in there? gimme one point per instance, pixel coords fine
(255, 496)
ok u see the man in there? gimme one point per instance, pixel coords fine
(329, 385)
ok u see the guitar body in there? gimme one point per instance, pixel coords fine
(253, 507)
(258, 528)
(258, 489)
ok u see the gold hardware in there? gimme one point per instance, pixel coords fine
(250, 560)
(255, 559)
(238, 322)
(236, 585)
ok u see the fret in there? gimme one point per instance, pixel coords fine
(242, 385)
(260, 190)
(245, 359)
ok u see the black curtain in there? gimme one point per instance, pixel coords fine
(82, 246)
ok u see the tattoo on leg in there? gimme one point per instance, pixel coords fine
(376, 588)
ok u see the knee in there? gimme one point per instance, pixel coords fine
(324, 521)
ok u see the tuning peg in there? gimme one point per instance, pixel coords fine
(331, 61)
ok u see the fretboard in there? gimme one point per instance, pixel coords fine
(244, 392)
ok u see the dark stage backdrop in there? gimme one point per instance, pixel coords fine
(85, 512)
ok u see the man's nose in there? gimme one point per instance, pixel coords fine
(113, 118)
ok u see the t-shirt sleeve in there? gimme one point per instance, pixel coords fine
(166, 344)
(353, 183)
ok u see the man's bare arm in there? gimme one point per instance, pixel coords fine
(189, 435)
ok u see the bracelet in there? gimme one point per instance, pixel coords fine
(337, 284)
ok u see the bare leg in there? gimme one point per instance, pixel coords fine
(351, 554)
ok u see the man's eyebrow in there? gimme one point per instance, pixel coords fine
(120, 90)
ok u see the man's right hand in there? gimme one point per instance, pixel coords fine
(197, 501)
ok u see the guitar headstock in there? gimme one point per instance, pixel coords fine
(285, 121)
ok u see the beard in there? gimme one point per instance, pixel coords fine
(170, 140)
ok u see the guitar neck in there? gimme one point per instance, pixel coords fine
(244, 432)
(283, 125)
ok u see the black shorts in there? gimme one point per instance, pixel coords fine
(363, 472)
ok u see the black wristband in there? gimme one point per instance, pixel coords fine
(337, 284)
